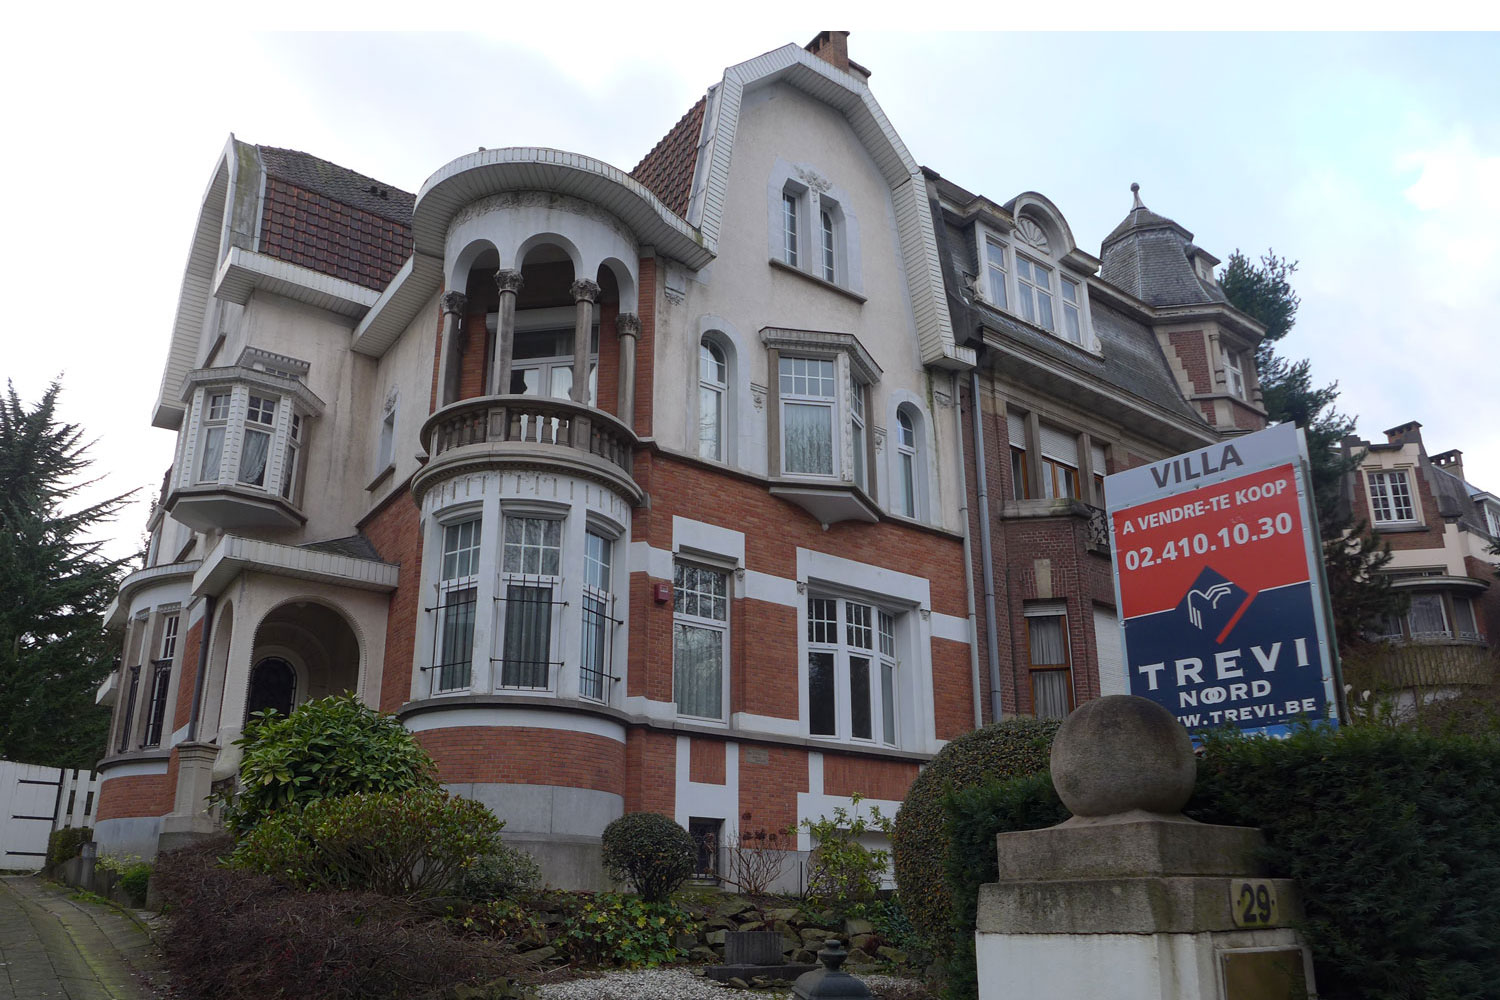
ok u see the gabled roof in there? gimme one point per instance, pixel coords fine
(349, 187)
(667, 171)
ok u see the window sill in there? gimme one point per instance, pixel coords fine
(380, 477)
(1398, 527)
(784, 266)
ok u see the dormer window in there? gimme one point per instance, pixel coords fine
(997, 272)
(1072, 322)
(1034, 292)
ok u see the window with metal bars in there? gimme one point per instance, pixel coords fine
(156, 709)
(458, 591)
(594, 669)
(531, 567)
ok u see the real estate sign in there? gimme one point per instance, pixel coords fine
(1219, 585)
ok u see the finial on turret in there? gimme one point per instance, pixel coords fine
(1135, 190)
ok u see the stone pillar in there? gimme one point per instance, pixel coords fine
(1130, 899)
(189, 819)
(510, 284)
(450, 364)
(585, 294)
(628, 328)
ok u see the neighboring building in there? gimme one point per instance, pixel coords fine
(1441, 530)
(625, 491)
(1087, 366)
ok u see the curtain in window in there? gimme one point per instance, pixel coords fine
(709, 419)
(1463, 617)
(213, 454)
(253, 453)
(455, 639)
(698, 670)
(1050, 690)
(1046, 636)
(807, 438)
(859, 697)
(528, 633)
(1426, 615)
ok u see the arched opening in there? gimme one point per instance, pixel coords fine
(218, 668)
(273, 685)
(303, 650)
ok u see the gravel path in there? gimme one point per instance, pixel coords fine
(679, 984)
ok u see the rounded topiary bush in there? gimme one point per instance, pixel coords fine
(919, 845)
(651, 852)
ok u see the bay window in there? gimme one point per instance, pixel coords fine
(808, 402)
(531, 568)
(700, 639)
(1234, 375)
(215, 420)
(458, 592)
(851, 671)
(255, 447)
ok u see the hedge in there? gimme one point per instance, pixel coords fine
(1392, 835)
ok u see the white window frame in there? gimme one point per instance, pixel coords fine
(1445, 632)
(828, 245)
(598, 604)
(683, 618)
(857, 409)
(908, 476)
(1234, 375)
(169, 626)
(1072, 309)
(548, 366)
(466, 555)
(507, 578)
(1462, 600)
(997, 272)
(712, 385)
(1378, 484)
(787, 369)
(869, 635)
(1029, 293)
(791, 241)
(215, 418)
(260, 418)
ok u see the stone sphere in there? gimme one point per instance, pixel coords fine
(1120, 753)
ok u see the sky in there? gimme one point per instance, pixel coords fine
(1373, 160)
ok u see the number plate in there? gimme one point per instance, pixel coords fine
(1253, 902)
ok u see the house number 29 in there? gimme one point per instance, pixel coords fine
(1254, 903)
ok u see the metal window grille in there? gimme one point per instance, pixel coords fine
(530, 632)
(453, 640)
(161, 676)
(129, 717)
(596, 669)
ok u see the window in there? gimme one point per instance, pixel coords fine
(1020, 469)
(807, 393)
(156, 710)
(1463, 618)
(828, 269)
(700, 637)
(1234, 375)
(851, 670)
(1047, 653)
(1072, 321)
(168, 638)
(995, 266)
(290, 459)
(1034, 292)
(531, 567)
(215, 417)
(712, 389)
(255, 449)
(1059, 463)
(386, 450)
(1390, 497)
(789, 228)
(595, 654)
(542, 364)
(1389, 628)
(857, 419)
(1492, 520)
(458, 590)
(1426, 616)
(906, 457)
(706, 834)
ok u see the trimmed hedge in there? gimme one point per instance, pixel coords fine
(919, 841)
(63, 845)
(651, 852)
(1392, 835)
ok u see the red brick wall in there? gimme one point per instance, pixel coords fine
(394, 529)
(952, 688)
(137, 794)
(475, 364)
(526, 756)
(191, 644)
(651, 772)
(873, 778)
(645, 367)
(1487, 604)
(706, 761)
(768, 792)
(1429, 538)
(1247, 419)
(1191, 348)
(763, 638)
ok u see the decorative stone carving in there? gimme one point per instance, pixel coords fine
(758, 397)
(584, 290)
(628, 325)
(1031, 233)
(676, 296)
(509, 280)
(942, 398)
(880, 439)
(455, 302)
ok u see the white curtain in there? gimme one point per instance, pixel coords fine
(698, 670)
(253, 453)
(807, 438)
(528, 634)
(213, 454)
(1050, 688)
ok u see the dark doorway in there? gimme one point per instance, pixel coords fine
(273, 684)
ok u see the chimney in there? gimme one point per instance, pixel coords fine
(833, 48)
(1409, 431)
(1450, 461)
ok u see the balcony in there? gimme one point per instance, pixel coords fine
(1430, 664)
(490, 432)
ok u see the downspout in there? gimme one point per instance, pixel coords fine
(208, 624)
(963, 491)
(986, 549)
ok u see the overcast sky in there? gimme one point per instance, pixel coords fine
(1374, 160)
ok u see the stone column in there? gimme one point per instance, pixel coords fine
(189, 819)
(585, 294)
(450, 365)
(510, 284)
(628, 329)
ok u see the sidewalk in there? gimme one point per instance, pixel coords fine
(56, 948)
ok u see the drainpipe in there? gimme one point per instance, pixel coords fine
(986, 549)
(208, 623)
(963, 492)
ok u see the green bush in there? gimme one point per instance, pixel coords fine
(325, 749)
(1393, 836)
(919, 845)
(505, 873)
(65, 844)
(623, 930)
(408, 845)
(651, 852)
(841, 871)
(134, 874)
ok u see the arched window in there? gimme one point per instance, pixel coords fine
(273, 685)
(713, 384)
(906, 457)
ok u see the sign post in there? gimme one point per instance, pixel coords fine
(1219, 584)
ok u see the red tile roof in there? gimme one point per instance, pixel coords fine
(667, 171)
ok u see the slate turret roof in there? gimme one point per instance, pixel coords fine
(1147, 256)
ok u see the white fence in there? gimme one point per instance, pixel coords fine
(34, 801)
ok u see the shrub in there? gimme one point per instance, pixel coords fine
(134, 875)
(919, 843)
(504, 873)
(65, 844)
(236, 935)
(756, 858)
(651, 852)
(324, 749)
(842, 871)
(623, 930)
(405, 845)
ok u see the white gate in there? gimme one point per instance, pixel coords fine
(35, 800)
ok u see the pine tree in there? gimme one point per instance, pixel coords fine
(54, 585)
(1352, 555)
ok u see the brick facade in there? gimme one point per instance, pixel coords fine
(526, 756)
(395, 530)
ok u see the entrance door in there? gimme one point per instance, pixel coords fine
(273, 684)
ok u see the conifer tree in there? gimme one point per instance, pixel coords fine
(1352, 555)
(54, 585)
